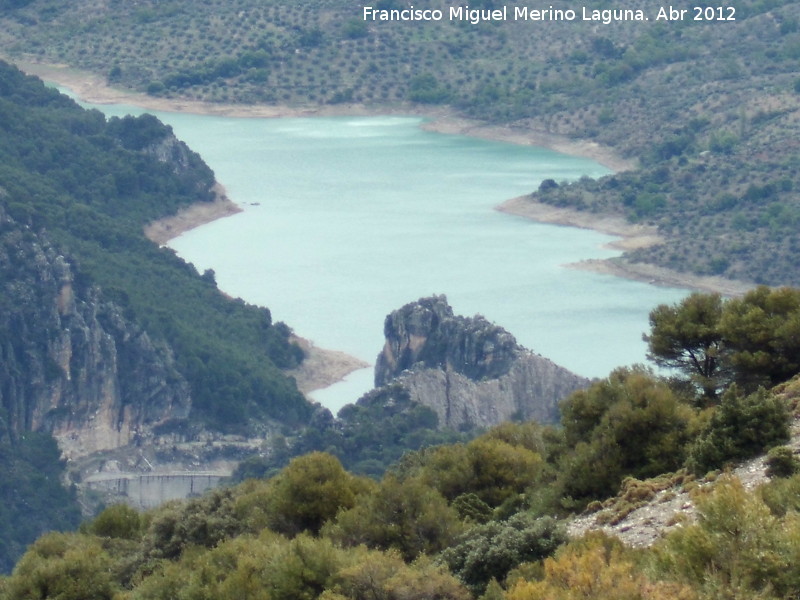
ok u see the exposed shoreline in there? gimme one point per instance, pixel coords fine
(632, 237)
(94, 89)
(322, 367)
(522, 136)
(189, 217)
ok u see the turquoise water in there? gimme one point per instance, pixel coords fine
(346, 219)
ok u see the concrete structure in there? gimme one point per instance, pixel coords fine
(148, 490)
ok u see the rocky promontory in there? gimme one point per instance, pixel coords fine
(470, 371)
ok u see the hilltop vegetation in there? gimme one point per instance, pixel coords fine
(470, 520)
(708, 109)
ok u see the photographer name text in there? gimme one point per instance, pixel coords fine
(607, 16)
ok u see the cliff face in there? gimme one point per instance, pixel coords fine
(63, 348)
(471, 372)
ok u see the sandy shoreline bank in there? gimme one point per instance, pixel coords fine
(322, 367)
(189, 217)
(521, 136)
(632, 237)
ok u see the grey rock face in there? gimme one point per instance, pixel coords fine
(470, 371)
(427, 333)
(70, 363)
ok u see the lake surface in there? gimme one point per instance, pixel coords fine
(346, 219)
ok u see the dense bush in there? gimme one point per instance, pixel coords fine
(782, 462)
(782, 495)
(64, 566)
(490, 551)
(491, 469)
(630, 424)
(310, 491)
(407, 516)
(740, 427)
(117, 521)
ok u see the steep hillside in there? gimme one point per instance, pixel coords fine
(709, 108)
(92, 185)
(72, 364)
(108, 342)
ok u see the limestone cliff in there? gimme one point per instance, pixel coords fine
(470, 371)
(63, 349)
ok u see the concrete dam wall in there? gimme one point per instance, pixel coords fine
(148, 490)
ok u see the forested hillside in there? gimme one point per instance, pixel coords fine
(487, 518)
(33, 500)
(92, 185)
(708, 109)
(87, 303)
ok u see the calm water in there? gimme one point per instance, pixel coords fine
(346, 219)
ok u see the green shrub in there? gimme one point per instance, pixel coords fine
(782, 495)
(63, 566)
(155, 88)
(490, 551)
(737, 549)
(781, 462)
(740, 427)
(408, 516)
(630, 424)
(117, 521)
(302, 497)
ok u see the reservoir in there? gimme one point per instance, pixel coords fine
(348, 218)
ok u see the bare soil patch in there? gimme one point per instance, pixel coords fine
(199, 213)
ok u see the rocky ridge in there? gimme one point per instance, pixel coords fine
(470, 371)
(670, 507)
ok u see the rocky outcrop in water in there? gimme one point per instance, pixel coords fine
(71, 363)
(470, 371)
